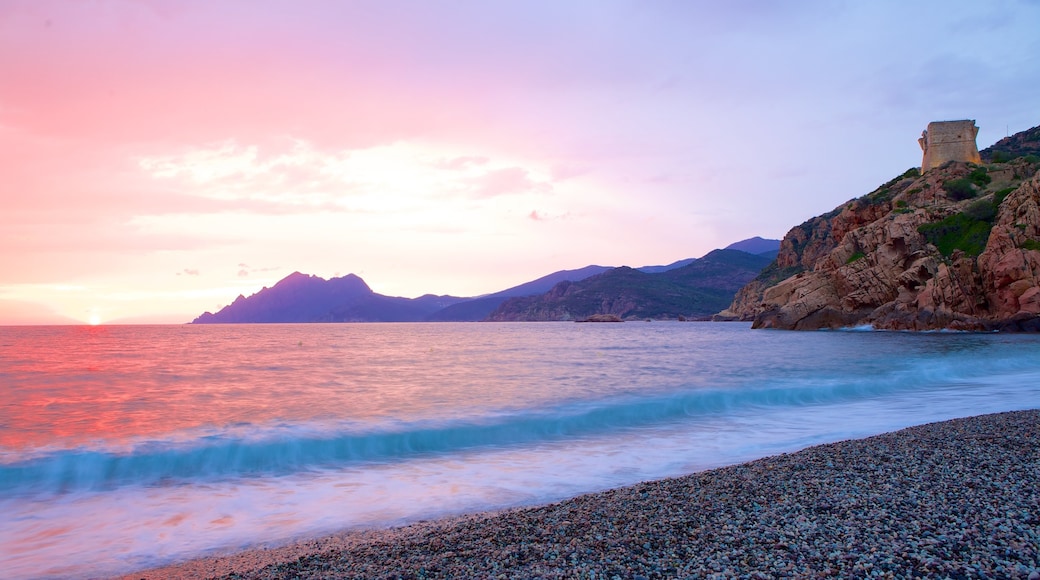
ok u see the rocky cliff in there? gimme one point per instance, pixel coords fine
(956, 248)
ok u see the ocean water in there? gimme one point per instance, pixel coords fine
(128, 447)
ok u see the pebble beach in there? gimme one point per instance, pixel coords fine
(955, 499)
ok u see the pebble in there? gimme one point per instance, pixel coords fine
(956, 499)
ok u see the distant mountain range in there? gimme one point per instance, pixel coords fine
(757, 246)
(668, 291)
(696, 290)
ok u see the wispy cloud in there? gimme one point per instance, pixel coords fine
(507, 181)
(461, 163)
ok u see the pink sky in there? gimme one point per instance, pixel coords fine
(161, 158)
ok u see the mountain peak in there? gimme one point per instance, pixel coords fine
(755, 245)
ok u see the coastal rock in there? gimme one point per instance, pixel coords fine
(952, 249)
(602, 318)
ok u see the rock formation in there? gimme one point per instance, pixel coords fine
(945, 141)
(955, 248)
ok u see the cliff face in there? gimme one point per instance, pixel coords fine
(957, 248)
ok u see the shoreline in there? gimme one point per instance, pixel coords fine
(958, 498)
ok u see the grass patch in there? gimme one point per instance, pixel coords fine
(980, 177)
(772, 274)
(885, 192)
(960, 189)
(982, 210)
(1031, 245)
(967, 231)
(998, 196)
(880, 196)
(958, 232)
(855, 257)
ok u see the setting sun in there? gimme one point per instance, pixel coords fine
(95, 319)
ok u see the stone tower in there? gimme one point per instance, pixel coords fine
(949, 141)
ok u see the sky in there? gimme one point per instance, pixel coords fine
(159, 158)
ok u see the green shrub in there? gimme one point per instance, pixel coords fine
(879, 196)
(958, 232)
(1031, 245)
(982, 210)
(980, 177)
(912, 172)
(1001, 157)
(773, 273)
(1000, 195)
(913, 190)
(1031, 158)
(855, 257)
(959, 189)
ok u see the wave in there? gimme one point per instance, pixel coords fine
(286, 450)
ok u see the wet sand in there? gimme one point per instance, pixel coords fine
(957, 499)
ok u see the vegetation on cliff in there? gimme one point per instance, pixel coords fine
(956, 247)
(1023, 144)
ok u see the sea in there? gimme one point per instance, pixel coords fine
(129, 447)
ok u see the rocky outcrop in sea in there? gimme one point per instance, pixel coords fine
(955, 248)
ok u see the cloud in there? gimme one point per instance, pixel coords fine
(284, 173)
(189, 272)
(244, 270)
(541, 216)
(460, 163)
(565, 172)
(511, 180)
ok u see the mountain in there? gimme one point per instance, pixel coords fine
(672, 266)
(955, 248)
(695, 290)
(479, 308)
(756, 245)
(1018, 145)
(302, 298)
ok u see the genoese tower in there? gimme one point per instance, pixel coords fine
(949, 141)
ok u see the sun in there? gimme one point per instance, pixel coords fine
(95, 319)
